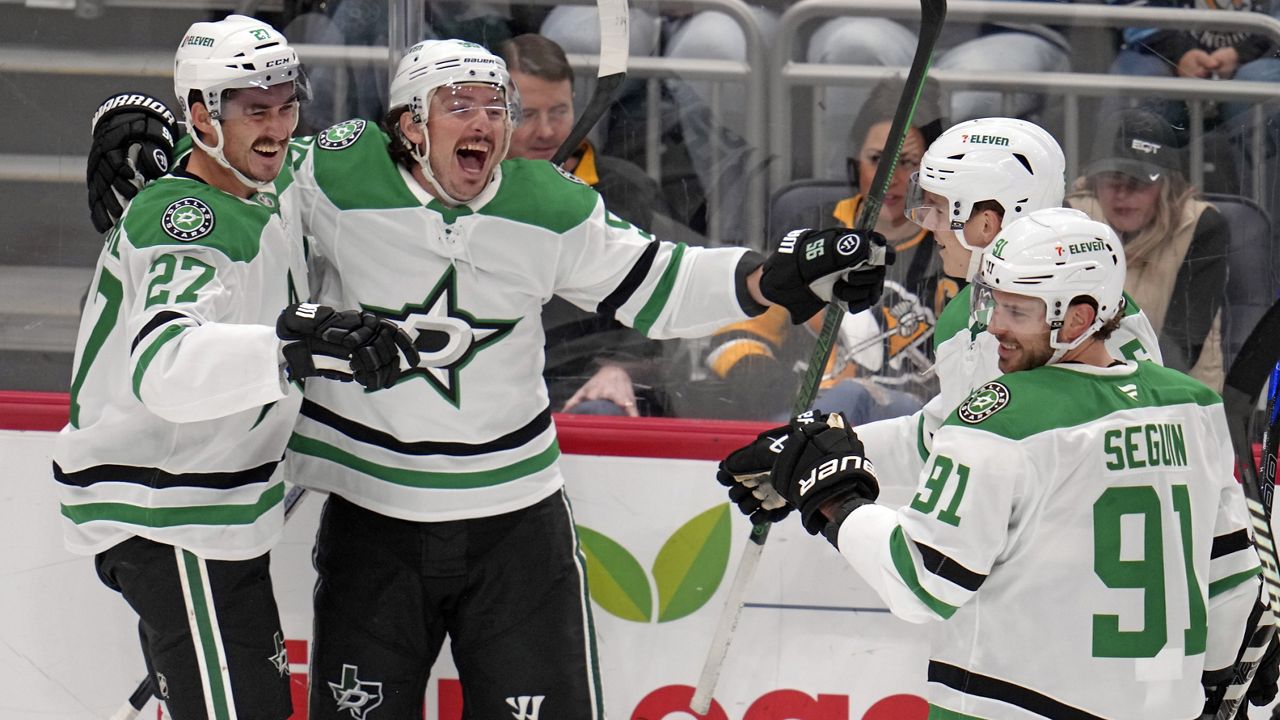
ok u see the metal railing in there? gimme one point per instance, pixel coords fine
(787, 74)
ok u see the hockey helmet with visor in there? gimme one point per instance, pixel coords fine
(463, 79)
(217, 60)
(1014, 162)
(1055, 255)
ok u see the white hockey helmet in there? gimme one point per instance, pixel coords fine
(433, 64)
(1057, 255)
(234, 53)
(1013, 162)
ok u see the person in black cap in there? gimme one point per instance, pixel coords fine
(1175, 243)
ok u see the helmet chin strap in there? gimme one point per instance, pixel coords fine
(215, 152)
(424, 158)
(975, 256)
(1061, 348)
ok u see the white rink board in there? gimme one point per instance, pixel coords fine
(68, 646)
(813, 644)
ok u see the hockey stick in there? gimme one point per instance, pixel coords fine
(144, 692)
(615, 44)
(932, 15)
(1256, 361)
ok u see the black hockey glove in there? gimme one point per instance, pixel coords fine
(133, 137)
(820, 462)
(321, 340)
(746, 473)
(811, 267)
(377, 365)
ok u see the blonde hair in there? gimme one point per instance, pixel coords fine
(1171, 203)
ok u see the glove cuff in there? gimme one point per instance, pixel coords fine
(297, 361)
(135, 102)
(831, 531)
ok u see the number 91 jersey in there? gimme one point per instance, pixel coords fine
(1081, 533)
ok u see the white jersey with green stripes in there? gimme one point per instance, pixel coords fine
(179, 410)
(470, 433)
(965, 359)
(1080, 532)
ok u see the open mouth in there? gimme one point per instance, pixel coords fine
(472, 157)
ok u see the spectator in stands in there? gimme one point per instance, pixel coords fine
(594, 364)
(991, 47)
(1206, 54)
(706, 35)
(879, 366)
(1175, 243)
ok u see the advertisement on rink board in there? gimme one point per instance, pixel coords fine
(661, 542)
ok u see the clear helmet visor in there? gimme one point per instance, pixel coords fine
(258, 103)
(926, 209)
(468, 100)
(1021, 314)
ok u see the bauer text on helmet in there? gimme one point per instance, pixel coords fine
(459, 107)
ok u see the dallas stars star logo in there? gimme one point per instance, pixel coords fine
(447, 338)
(281, 659)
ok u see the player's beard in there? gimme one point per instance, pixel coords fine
(1028, 355)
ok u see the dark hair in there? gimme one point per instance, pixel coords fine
(397, 148)
(882, 105)
(536, 55)
(1103, 333)
(992, 205)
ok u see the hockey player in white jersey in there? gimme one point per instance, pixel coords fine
(1077, 529)
(446, 512)
(183, 395)
(977, 177)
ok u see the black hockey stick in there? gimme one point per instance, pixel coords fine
(1255, 363)
(932, 15)
(615, 44)
(145, 690)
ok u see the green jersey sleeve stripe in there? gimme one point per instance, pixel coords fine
(112, 291)
(1220, 586)
(906, 567)
(149, 354)
(658, 300)
(424, 478)
(920, 444)
(171, 516)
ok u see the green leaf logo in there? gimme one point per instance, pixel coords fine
(687, 571)
(618, 583)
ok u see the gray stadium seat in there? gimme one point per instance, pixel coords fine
(1253, 269)
(799, 205)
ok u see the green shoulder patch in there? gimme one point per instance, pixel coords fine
(534, 192)
(187, 219)
(342, 135)
(175, 210)
(984, 402)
